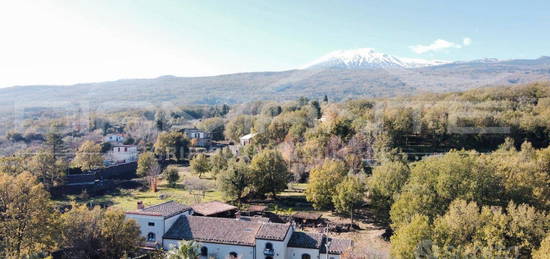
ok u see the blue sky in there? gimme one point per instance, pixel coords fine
(70, 41)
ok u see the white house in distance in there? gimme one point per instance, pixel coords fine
(166, 224)
(114, 138)
(247, 139)
(120, 154)
(202, 138)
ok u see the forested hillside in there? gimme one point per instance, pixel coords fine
(463, 174)
(340, 84)
(459, 174)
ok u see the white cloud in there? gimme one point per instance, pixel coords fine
(437, 45)
(467, 41)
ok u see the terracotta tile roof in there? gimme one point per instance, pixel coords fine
(339, 246)
(224, 230)
(318, 241)
(214, 230)
(166, 210)
(212, 208)
(306, 240)
(256, 219)
(273, 231)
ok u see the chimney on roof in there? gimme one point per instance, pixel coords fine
(140, 205)
(238, 215)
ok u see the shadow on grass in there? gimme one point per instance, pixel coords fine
(369, 214)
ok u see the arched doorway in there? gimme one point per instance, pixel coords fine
(306, 256)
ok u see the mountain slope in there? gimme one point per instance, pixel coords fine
(246, 87)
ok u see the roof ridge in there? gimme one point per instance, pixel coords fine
(259, 229)
(156, 205)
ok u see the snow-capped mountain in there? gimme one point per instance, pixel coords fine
(366, 58)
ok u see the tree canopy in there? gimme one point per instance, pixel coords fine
(88, 156)
(200, 164)
(322, 184)
(234, 180)
(349, 195)
(270, 174)
(28, 218)
(172, 145)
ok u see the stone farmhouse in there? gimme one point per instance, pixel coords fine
(246, 139)
(120, 154)
(165, 225)
(202, 138)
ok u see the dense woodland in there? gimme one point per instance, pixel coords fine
(451, 175)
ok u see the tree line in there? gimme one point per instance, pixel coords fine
(32, 226)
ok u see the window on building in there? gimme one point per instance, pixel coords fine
(269, 257)
(233, 255)
(306, 256)
(151, 224)
(125, 149)
(204, 251)
(268, 246)
(151, 237)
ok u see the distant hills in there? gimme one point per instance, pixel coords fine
(340, 75)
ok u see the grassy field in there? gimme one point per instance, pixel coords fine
(126, 199)
(191, 189)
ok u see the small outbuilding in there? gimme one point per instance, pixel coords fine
(254, 210)
(307, 218)
(214, 209)
(247, 139)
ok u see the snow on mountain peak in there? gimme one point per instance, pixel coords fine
(365, 58)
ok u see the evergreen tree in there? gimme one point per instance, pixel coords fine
(172, 176)
(234, 180)
(55, 143)
(270, 174)
(200, 164)
(349, 195)
(317, 107)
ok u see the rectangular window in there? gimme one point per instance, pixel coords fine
(151, 224)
